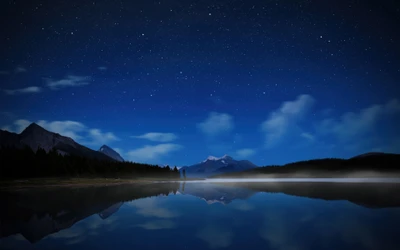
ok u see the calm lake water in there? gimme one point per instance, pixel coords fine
(290, 216)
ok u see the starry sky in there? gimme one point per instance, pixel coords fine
(171, 82)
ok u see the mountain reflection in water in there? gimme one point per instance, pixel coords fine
(203, 215)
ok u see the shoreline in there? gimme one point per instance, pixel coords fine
(78, 182)
(19, 184)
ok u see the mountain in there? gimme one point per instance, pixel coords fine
(214, 193)
(369, 154)
(36, 212)
(110, 153)
(217, 165)
(365, 165)
(110, 210)
(34, 136)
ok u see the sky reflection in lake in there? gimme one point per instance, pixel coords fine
(209, 216)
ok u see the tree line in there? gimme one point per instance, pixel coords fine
(25, 163)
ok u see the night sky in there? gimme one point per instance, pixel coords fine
(171, 82)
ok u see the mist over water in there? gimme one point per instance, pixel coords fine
(341, 180)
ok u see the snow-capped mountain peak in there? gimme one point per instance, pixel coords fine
(213, 158)
(215, 165)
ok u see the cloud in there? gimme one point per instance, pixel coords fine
(20, 69)
(158, 224)
(18, 126)
(215, 236)
(102, 68)
(69, 81)
(73, 129)
(92, 225)
(3, 72)
(245, 152)
(150, 152)
(158, 137)
(150, 207)
(307, 136)
(216, 123)
(98, 137)
(279, 121)
(21, 124)
(351, 125)
(66, 128)
(27, 90)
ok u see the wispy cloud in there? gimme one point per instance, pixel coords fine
(98, 137)
(18, 126)
(102, 68)
(27, 90)
(3, 72)
(279, 121)
(150, 207)
(216, 123)
(158, 137)
(68, 81)
(152, 152)
(355, 124)
(73, 129)
(91, 226)
(245, 152)
(20, 69)
(307, 136)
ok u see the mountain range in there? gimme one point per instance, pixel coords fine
(217, 165)
(35, 136)
(368, 165)
(374, 164)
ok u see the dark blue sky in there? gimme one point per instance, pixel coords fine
(171, 82)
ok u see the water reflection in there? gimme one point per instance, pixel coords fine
(203, 216)
(37, 213)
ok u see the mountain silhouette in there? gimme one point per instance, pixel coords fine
(110, 153)
(365, 165)
(216, 165)
(35, 136)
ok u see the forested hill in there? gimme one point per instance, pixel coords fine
(25, 163)
(368, 165)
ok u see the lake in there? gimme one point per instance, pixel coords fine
(202, 215)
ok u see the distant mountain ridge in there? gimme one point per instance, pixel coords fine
(217, 165)
(365, 165)
(34, 136)
(111, 153)
(370, 154)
